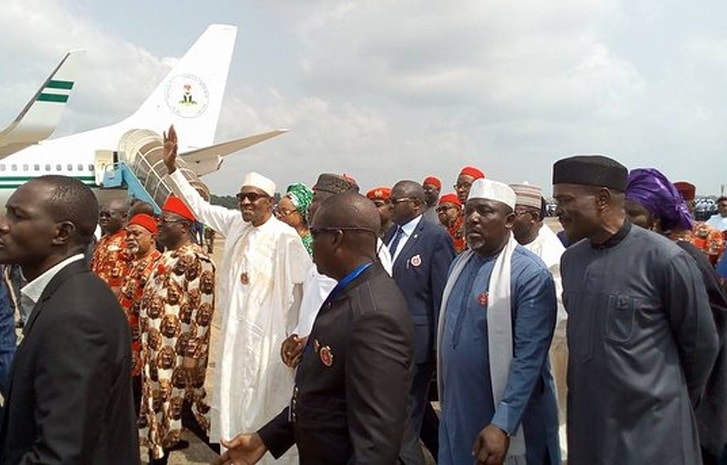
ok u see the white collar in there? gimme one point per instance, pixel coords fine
(409, 227)
(34, 289)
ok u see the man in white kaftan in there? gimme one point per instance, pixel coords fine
(259, 292)
(532, 233)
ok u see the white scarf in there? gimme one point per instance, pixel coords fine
(499, 332)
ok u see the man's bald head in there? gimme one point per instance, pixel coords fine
(407, 201)
(112, 216)
(345, 230)
(410, 189)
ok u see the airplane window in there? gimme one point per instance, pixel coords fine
(90, 168)
(36, 167)
(14, 167)
(69, 167)
(59, 167)
(25, 167)
(2, 167)
(80, 167)
(47, 167)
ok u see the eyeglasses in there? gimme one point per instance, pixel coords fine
(280, 213)
(250, 196)
(316, 231)
(402, 200)
(462, 185)
(163, 220)
(523, 211)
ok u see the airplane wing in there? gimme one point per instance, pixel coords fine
(42, 113)
(208, 159)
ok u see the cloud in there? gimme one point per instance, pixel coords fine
(393, 89)
(116, 74)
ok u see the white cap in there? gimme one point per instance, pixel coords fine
(492, 190)
(254, 179)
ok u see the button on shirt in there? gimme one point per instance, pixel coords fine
(407, 230)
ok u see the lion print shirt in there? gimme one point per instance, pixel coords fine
(176, 312)
(130, 295)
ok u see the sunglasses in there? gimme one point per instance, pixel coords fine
(250, 196)
(317, 231)
(163, 220)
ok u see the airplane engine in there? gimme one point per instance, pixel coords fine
(142, 151)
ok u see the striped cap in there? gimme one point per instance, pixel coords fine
(527, 195)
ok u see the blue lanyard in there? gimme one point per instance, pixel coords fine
(345, 281)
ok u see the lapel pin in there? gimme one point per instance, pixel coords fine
(416, 260)
(326, 356)
(482, 299)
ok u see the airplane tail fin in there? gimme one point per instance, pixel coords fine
(190, 96)
(42, 113)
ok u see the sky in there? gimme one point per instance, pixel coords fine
(386, 90)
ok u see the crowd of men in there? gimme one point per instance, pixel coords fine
(343, 315)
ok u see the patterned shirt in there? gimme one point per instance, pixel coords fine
(176, 311)
(130, 295)
(456, 232)
(705, 237)
(111, 259)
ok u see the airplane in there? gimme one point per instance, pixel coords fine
(190, 97)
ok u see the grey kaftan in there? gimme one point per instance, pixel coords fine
(642, 342)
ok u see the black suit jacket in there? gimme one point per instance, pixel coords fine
(70, 396)
(350, 401)
(420, 270)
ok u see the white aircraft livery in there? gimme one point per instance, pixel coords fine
(190, 97)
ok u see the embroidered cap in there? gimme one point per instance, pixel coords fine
(527, 195)
(493, 190)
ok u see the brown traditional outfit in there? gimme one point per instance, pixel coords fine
(175, 317)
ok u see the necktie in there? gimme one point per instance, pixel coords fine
(395, 242)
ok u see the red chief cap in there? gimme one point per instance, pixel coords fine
(147, 222)
(379, 193)
(450, 198)
(175, 205)
(687, 190)
(433, 180)
(472, 171)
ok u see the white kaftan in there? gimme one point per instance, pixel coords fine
(259, 292)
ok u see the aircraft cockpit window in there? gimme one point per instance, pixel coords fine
(36, 167)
